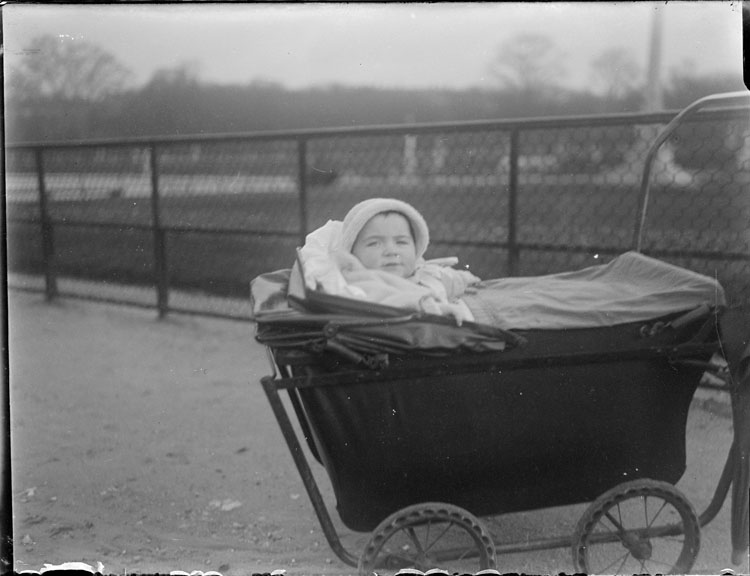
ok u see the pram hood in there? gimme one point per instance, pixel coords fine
(288, 315)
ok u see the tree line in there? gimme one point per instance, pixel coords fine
(80, 91)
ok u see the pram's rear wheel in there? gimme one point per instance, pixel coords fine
(639, 527)
(425, 536)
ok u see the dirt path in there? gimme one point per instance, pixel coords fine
(149, 446)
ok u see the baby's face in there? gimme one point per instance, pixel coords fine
(386, 243)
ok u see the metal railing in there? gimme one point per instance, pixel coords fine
(183, 224)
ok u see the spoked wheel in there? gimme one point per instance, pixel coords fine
(638, 527)
(425, 536)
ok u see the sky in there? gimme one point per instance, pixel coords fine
(409, 45)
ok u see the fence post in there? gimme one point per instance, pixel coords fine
(513, 250)
(302, 185)
(48, 239)
(160, 253)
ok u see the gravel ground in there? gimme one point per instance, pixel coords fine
(149, 446)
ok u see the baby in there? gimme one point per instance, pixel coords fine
(378, 250)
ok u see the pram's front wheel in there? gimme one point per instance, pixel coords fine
(640, 527)
(429, 535)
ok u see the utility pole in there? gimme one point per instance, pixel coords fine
(653, 92)
(666, 168)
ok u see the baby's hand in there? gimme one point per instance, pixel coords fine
(430, 305)
(456, 282)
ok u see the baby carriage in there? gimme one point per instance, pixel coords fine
(424, 427)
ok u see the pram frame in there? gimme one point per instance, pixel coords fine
(272, 386)
(737, 456)
(674, 124)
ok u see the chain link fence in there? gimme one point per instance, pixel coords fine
(184, 224)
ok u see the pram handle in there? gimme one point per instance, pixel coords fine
(714, 99)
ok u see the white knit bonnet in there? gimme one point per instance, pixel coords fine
(361, 213)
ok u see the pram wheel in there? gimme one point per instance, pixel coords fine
(425, 536)
(639, 527)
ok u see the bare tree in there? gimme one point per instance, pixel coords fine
(528, 64)
(615, 73)
(61, 68)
